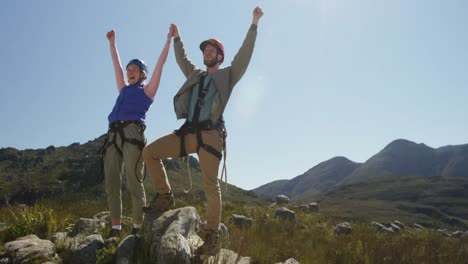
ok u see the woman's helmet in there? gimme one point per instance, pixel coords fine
(139, 63)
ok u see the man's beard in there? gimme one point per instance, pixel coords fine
(210, 63)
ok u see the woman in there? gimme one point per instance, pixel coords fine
(125, 138)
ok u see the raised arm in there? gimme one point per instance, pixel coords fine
(182, 59)
(152, 87)
(257, 14)
(119, 74)
(242, 59)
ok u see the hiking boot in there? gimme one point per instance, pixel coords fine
(161, 203)
(211, 246)
(114, 233)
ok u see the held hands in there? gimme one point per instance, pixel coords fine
(175, 31)
(171, 32)
(257, 14)
(111, 37)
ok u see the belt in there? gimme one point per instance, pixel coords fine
(121, 124)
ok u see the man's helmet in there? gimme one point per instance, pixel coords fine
(216, 43)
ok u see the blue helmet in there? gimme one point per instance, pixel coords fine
(139, 63)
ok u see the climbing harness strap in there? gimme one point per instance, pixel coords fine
(117, 127)
(197, 127)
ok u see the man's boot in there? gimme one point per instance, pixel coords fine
(114, 233)
(211, 246)
(160, 203)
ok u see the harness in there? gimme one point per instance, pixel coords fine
(197, 127)
(117, 127)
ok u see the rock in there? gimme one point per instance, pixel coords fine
(418, 226)
(85, 251)
(58, 238)
(314, 207)
(444, 232)
(86, 226)
(83, 241)
(226, 256)
(382, 228)
(104, 217)
(223, 232)
(343, 228)
(248, 222)
(282, 199)
(458, 234)
(238, 220)
(289, 261)
(171, 236)
(29, 249)
(241, 221)
(395, 227)
(285, 214)
(303, 208)
(399, 224)
(125, 253)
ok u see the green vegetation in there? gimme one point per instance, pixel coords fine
(309, 240)
(37, 220)
(433, 202)
(61, 185)
(106, 255)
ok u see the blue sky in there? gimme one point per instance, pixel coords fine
(328, 77)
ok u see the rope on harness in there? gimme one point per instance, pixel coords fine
(224, 169)
(101, 153)
(187, 160)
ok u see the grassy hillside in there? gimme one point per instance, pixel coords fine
(32, 174)
(309, 240)
(433, 201)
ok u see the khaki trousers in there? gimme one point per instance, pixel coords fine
(169, 146)
(116, 165)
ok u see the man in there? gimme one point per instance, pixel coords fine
(201, 101)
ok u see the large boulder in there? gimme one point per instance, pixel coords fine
(30, 249)
(83, 242)
(85, 251)
(171, 236)
(125, 253)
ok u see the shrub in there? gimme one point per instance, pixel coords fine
(36, 220)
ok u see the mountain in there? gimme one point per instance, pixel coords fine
(319, 179)
(399, 158)
(405, 158)
(31, 174)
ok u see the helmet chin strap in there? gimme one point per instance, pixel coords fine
(141, 80)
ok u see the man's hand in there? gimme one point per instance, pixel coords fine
(257, 14)
(111, 37)
(175, 31)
